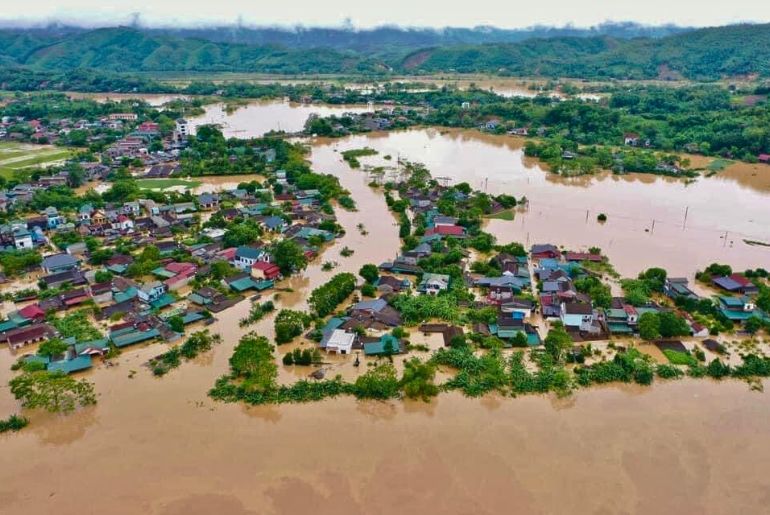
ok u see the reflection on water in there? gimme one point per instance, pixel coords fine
(54, 429)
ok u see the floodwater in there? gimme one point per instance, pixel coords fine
(154, 99)
(646, 223)
(257, 118)
(161, 446)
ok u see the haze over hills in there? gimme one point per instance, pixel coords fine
(607, 51)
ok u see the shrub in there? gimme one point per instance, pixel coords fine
(378, 383)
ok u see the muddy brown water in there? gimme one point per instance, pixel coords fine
(161, 446)
(257, 118)
(646, 213)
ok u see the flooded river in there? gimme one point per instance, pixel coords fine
(161, 446)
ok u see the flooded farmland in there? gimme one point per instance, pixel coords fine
(161, 446)
(257, 118)
(652, 220)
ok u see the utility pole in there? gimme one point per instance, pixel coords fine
(653, 226)
(686, 211)
(586, 215)
(724, 243)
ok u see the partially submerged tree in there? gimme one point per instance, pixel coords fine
(52, 391)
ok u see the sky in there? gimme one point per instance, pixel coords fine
(368, 13)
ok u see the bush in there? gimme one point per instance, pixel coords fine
(669, 372)
(717, 369)
(13, 423)
(325, 299)
(378, 383)
(417, 381)
(289, 324)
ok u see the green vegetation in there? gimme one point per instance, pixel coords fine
(680, 53)
(290, 324)
(418, 380)
(257, 312)
(369, 272)
(506, 214)
(16, 262)
(325, 299)
(289, 257)
(16, 158)
(162, 184)
(415, 310)
(76, 325)
(303, 357)
(380, 382)
(679, 358)
(13, 423)
(198, 342)
(351, 156)
(52, 391)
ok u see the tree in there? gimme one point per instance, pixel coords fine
(176, 323)
(370, 273)
(520, 340)
(672, 325)
(654, 278)
(252, 360)
(649, 326)
(52, 391)
(557, 342)
(328, 296)
(380, 382)
(52, 348)
(289, 257)
(417, 381)
(752, 324)
(102, 276)
(368, 290)
(289, 324)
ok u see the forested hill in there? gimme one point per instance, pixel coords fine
(697, 54)
(701, 54)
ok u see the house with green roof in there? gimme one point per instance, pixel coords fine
(386, 345)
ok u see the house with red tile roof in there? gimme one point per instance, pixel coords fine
(264, 270)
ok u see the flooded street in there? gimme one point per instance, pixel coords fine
(161, 446)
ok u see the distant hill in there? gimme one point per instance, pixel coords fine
(376, 39)
(703, 54)
(611, 51)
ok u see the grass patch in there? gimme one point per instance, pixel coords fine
(18, 156)
(351, 156)
(507, 215)
(162, 184)
(679, 358)
(717, 165)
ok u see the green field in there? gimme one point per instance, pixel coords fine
(15, 157)
(162, 184)
(507, 215)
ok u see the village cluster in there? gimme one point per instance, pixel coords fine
(118, 272)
